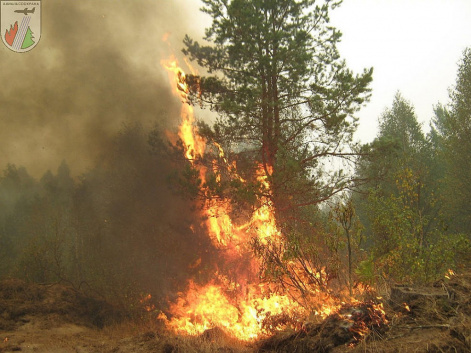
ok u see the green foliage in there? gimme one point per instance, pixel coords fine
(285, 105)
(400, 124)
(404, 214)
(285, 100)
(366, 271)
(452, 136)
(409, 245)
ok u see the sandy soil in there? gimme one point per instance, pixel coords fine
(39, 335)
(57, 319)
(42, 335)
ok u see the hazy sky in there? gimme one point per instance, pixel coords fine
(97, 67)
(414, 47)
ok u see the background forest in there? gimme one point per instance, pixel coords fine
(128, 227)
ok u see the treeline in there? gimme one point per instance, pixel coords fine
(409, 218)
(117, 230)
(416, 209)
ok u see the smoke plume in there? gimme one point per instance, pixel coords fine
(96, 67)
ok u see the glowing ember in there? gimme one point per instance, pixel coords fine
(147, 306)
(359, 318)
(450, 273)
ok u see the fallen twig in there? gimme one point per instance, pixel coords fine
(424, 326)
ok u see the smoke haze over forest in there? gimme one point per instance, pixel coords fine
(273, 217)
(97, 66)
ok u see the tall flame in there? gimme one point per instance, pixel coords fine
(194, 145)
(240, 305)
(237, 302)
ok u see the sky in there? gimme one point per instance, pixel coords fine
(97, 67)
(414, 47)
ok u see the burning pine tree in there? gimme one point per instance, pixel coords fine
(285, 103)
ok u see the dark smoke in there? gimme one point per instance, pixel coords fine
(89, 94)
(97, 66)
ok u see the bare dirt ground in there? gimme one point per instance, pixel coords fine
(57, 319)
(35, 318)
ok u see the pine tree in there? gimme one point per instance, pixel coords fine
(453, 129)
(28, 41)
(284, 98)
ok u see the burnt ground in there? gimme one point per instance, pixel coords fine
(56, 318)
(434, 318)
(437, 319)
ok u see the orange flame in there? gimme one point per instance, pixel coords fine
(204, 307)
(238, 306)
(450, 273)
(145, 303)
(240, 303)
(193, 143)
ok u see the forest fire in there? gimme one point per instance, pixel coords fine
(194, 145)
(236, 300)
(247, 318)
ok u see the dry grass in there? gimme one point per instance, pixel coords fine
(434, 324)
(151, 334)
